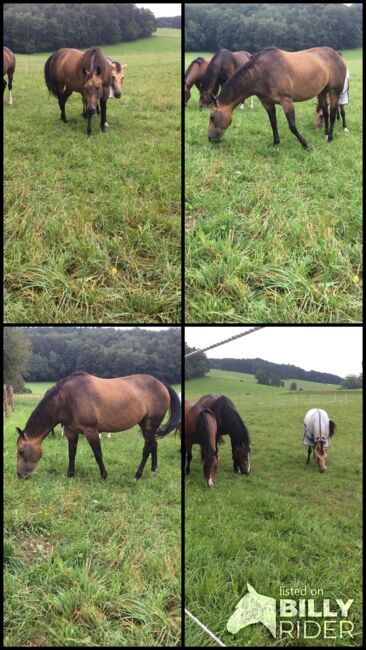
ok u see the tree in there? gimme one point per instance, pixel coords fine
(293, 385)
(197, 365)
(352, 381)
(17, 353)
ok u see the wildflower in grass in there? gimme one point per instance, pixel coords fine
(356, 279)
(114, 271)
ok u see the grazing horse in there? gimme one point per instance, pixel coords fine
(88, 73)
(279, 77)
(317, 433)
(221, 67)
(84, 404)
(193, 76)
(9, 67)
(229, 422)
(200, 428)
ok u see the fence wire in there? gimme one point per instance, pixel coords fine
(231, 338)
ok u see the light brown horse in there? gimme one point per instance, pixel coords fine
(279, 77)
(84, 404)
(9, 67)
(200, 428)
(193, 76)
(118, 75)
(89, 73)
(221, 67)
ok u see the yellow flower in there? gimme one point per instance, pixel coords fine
(114, 271)
(356, 279)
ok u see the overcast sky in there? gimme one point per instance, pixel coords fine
(337, 350)
(162, 10)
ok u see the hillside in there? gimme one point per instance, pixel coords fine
(283, 370)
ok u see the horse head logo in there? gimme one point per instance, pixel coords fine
(253, 608)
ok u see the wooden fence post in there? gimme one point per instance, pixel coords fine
(6, 404)
(11, 398)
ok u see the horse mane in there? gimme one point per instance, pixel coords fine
(42, 414)
(233, 87)
(213, 68)
(231, 420)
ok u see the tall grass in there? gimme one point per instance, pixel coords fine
(274, 234)
(88, 562)
(283, 525)
(92, 226)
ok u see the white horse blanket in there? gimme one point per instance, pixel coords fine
(316, 423)
(343, 97)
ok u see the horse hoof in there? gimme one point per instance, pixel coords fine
(346, 130)
(70, 474)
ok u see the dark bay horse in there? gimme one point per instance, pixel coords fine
(229, 422)
(200, 428)
(9, 67)
(318, 430)
(279, 77)
(89, 73)
(193, 76)
(84, 404)
(221, 67)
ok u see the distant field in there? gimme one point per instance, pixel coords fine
(77, 208)
(274, 234)
(88, 562)
(285, 524)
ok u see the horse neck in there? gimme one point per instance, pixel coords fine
(248, 87)
(192, 75)
(43, 419)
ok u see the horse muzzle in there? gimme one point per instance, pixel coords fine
(214, 138)
(117, 94)
(24, 476)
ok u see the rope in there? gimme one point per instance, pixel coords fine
(205, 628)
(232, 338)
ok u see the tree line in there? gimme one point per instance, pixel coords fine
(33, 27)
(52, 353)
(268, 368)
(290, 26)
(173, 22)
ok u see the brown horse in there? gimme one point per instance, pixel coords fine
(279, 77)
(200, 428)
(193, 76)
(88, 73)
(84, 404)
(229, 422)
(319, 116)
(9, 67)
(221, 67)
(118, 75)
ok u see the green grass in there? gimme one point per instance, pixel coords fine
(76, 208)
(285, 524)
(88, 562)
(273, 234)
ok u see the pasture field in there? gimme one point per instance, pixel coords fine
(88, 562)
(283, 525)
(79, 209)
(274, 234)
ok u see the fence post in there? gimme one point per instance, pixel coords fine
(11, 398)
(6, 404)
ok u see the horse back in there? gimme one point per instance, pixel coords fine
(9, 60)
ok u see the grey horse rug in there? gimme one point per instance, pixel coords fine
(316, 423)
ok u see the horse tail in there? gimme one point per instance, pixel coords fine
(202, 425)
(175, 412)
(332, 428)
(49, 78)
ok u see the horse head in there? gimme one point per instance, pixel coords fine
(220, 120)
(118, 76)
(92, 88)
(29, 453)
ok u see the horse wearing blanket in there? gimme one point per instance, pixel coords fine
(318, 431)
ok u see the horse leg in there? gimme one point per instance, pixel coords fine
(92, 437)
(10, 86)
(309, 454)
(62, 99)
(288, 107)
(4, 85)
(333, 99)
(89, 128)
(103, 112)
(154, 456)
(271, 111)
(149, 443)
(343, 114)
(188, 457)
(72, 439)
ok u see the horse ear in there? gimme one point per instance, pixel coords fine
(123, 66)
(20, 432)
(98, 70)
(251, 589)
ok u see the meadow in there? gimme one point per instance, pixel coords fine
(92, 225)
(283, 525)
(274, 234)
(89, 562)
